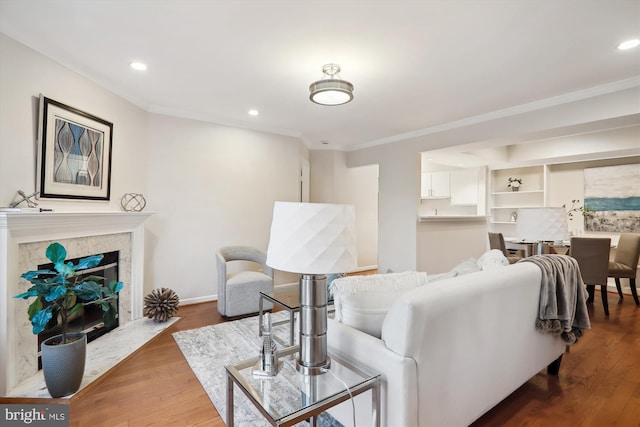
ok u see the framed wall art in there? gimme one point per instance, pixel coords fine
(74, 153)
(612, 198)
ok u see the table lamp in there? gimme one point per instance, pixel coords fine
(548, 224)
(313, 239)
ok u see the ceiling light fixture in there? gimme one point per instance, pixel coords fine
(629, 44)
(253, 112)
(331, 90)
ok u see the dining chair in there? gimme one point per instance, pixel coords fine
(592, 255)
(625, 262)
(496, 241)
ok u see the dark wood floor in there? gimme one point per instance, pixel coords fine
(598, 385)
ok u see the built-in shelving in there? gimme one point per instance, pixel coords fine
(503, 202)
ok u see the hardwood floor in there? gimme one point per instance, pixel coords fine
(598, 385)
(599, 379)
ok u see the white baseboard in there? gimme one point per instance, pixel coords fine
(626, 290)
(208, 298)
(197, 300)
(365, 268)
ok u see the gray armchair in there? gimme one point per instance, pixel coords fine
(238, 292)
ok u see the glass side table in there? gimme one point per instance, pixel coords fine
(291, 397)
(288, 300)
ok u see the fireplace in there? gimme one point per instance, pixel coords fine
(89, 319)
(24, 238)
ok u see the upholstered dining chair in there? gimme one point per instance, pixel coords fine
(625, 262)
(496, 241)
(592, 255)
(238, 286)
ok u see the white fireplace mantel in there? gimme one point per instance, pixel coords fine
(32, 226)
(27, 227)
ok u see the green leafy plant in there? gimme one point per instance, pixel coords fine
(64, 292)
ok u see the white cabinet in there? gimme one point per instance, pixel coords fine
(464, 186)
(434, 185)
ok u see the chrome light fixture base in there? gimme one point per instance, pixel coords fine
(313, 358)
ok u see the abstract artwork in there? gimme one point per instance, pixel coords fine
(612, 198)
(74, 153)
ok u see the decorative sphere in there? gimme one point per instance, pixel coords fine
(133, 202)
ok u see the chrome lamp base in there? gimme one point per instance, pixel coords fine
(312, 358)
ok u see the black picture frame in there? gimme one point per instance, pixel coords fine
(74, 153)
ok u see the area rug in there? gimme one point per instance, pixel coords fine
(210, 348)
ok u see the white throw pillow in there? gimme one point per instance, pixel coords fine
(467, 266)
(492, 259)
(362, 302)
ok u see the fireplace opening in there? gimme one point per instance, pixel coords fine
(89, 319)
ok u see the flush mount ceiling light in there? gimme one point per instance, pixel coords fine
(331, 90)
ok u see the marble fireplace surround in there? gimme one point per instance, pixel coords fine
(23, 240)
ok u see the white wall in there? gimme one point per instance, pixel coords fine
(172, 162)
(211, 186)
(443, 245)
(400, 167)
(24, 75)
(608, 143)
(333, 182)
(398, 202)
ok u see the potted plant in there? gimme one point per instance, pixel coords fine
(514, 183)
(60, 296)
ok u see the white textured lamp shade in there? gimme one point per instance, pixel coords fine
(542, 224)
(312, 238)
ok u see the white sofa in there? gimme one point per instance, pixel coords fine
(451, 349)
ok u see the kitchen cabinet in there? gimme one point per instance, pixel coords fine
(434, 185)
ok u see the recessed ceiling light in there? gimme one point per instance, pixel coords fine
(324, 142)
(253, 112)
(138, 66)
(629, 44)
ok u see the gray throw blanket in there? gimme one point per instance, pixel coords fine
(563, 307)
